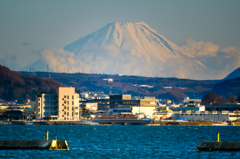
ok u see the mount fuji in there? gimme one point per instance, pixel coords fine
(132, 49)
(122, 48)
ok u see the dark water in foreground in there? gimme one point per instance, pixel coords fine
(120, 141)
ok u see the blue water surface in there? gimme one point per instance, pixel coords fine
(122, 141)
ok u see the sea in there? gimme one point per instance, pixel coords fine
(121, 141)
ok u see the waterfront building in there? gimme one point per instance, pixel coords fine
(191, 104)
(124, 100)
(205, 115)
(92, 106)
(191, 107)
(68, 103)
(148, 111)
(189, 101)
(63, 105)
(227, 106)
(46, 105)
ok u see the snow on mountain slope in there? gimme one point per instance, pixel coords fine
(137, 38)
(130, 48)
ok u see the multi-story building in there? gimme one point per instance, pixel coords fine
(227, 106)
(68, 103)
(47, 105)
(63, 105)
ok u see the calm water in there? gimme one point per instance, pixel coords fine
(121, 141)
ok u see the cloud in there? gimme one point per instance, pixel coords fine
(59, 59)
(218, 63)
(200, 48)
(25, 44)
(10, 62)
(208, 62)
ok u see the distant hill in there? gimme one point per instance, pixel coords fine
(228, 86)
(234, 74)
(14, 86)
(162, 88)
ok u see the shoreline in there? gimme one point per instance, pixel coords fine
(156, 123)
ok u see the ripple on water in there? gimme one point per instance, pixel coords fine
(120, 141)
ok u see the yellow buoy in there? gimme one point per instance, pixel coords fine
(218, 138)
(47, 135)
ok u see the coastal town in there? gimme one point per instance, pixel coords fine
(68, 107)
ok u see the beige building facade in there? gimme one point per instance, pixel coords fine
(63, 105)
(68, 103)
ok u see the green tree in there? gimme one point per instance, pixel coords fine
(85, 112)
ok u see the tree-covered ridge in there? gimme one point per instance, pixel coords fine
(228, 86)
(14, 86)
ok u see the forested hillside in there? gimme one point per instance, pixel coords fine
(231, 86)
(14, 86)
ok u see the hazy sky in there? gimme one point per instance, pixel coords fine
(29, 25)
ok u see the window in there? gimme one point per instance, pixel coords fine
(72, 102)
(76, 107)
(76, 113)
(67, 97)
(39, 109)
(38, 99)
(67, 102)
(67, 113)
(67, 108)
(64, 102)
(64, 113)
(64, 96)
(72, 97)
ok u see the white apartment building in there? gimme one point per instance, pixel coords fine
(63, 105)
(47, 105)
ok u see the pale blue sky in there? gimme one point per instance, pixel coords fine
(29, 25)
